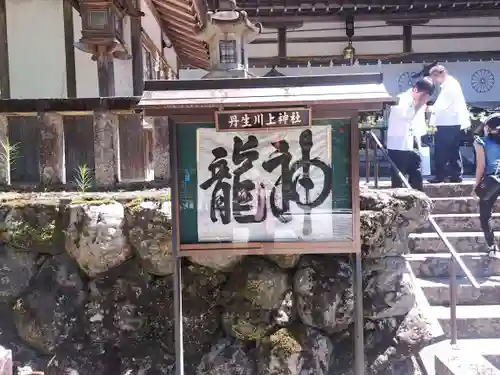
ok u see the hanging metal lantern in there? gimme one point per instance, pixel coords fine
(102, 27)
(349, 52)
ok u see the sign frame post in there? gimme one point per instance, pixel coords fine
(354, 249)
(177, 277)
(194, 102)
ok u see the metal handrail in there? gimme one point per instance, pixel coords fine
(455, 257)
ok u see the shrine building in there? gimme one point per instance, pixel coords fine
(61, 57)
(158, 39)
(393, 37)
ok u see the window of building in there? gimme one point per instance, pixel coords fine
(155, 65)
(148, 66)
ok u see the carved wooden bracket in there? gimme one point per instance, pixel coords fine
(407, 22)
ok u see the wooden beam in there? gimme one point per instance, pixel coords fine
(373, 59)
(201, 9)
(189, 43)
(194, 52)
(180, 4)
(188, 16)
(176, 25)
(407, 21)
(136, 49)
(382, 38)
(407, 38)
(193, 60)
(323, 16)
(4, 53)
(154, 11)
(75, 5)
(69, 49)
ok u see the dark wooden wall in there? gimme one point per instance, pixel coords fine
(25, 132)
(132, 147)
(79, 144)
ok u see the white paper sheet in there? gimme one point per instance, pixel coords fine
(320, 224)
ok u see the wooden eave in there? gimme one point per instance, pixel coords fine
(180, 19)
(310, 10)
(342, 89)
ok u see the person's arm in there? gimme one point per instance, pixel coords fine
(463, 111)
(404, 110)
(445, 99)
(480, 162)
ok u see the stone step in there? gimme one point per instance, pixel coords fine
(488, 348)
(437, 291)
(459, 223)
(458, 205)
(447, 190)
(473, 322)
(463, 242)
(437, 265)
(455, 361)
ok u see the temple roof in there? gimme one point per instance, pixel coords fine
(180, 21)
(273, 10)
(182, 18)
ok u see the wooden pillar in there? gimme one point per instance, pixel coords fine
(4, 54)
(4, 151)
(106, 74)
(69, 41)
(161, 155)
(407, 38)
(106, 148)
(136, 46)
(147, 135)
(52, 153)
(282, 46)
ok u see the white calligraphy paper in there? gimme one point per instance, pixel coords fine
(320, 223)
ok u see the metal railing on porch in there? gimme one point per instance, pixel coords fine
(371, 139)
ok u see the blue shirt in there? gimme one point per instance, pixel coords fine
(491, 153)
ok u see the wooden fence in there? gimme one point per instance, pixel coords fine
(48, 147)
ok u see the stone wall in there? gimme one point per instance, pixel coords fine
(86, 288)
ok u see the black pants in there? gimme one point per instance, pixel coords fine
(485, 209)
(448, 161)
(410, 164)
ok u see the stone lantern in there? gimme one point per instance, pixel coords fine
(227, 33)
(102, 27)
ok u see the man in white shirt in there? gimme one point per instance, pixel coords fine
(451, 117)
(406, 126)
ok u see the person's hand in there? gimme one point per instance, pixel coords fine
(474, 194)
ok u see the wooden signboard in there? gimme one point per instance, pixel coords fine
(282, 190)
(262, 119)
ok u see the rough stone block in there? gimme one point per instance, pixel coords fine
(52, 154)
(106, 148)
(5, 157)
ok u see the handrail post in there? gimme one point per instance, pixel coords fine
(375, 163)
(367, 157)
(453, 301)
